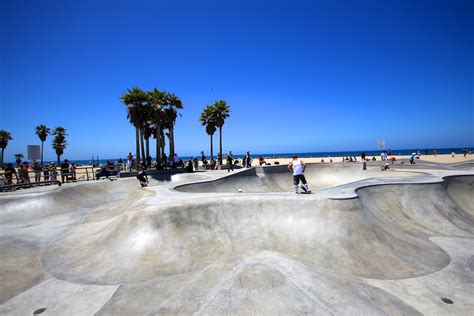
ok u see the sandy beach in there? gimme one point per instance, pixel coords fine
(429, 158)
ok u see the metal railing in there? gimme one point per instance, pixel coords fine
(86, 173)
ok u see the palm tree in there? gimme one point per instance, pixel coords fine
(4, 138)
(156, 101)
(146, 121)
(173, 104)
(59, 142)
(134, 101)
(221, 112)
(148, 131)
(207, 119)
(42, 131)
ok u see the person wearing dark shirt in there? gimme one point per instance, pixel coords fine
(142, 176)
(247, 160)
(230, 160)
(9, 172)
(64, 171)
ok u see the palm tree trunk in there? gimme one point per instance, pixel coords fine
(142, 147)
(147, 147)
(137, 143)
(171, 138)
(158, 145)
(1, 159)
(162, 142)
(220, 144)
(42, 143)
(212, 155)
(59, 160)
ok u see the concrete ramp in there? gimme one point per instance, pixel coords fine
(279, 179)
(391, 248)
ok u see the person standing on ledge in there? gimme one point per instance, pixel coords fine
(230, 161)
(247, 160)
(297, 166)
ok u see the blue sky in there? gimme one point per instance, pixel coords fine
(299, 76)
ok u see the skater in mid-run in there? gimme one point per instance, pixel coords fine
(297, 166)
(142, 176)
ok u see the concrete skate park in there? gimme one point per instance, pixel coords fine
(375, 242)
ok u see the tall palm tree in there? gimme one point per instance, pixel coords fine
(59, 142)
(4, 138)
(207, 120)
(148, 131)
(42, 131)
(221, 112)
(173, 104)
(145, 122)
(134, 100)
(156, 101)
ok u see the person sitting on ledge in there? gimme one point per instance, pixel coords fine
(261, 160)
(102, 173)
(189, 166)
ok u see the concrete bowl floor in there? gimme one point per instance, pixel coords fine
(366, 242)
(278, 179)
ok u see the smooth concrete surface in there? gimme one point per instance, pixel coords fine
(279, 179)
(365, 242)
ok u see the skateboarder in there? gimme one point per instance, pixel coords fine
(142, 177)
(297, 166)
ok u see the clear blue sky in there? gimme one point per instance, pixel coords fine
(299, 76)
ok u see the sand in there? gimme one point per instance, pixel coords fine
(430, 158)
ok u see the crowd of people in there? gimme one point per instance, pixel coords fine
(46, 172)
(66, 171)
(192, 164)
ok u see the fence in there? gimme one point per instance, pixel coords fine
(80, 174)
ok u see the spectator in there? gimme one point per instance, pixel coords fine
(189, 166)
(9, 172)
(53, 172)
(46, 172)
(247, 161)
(148, 161)
(129, 161)
(64, 171)
(37, 171)
(230, 161)
(72, 172)
(196, 163)
(164, 160)
(23, 173)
